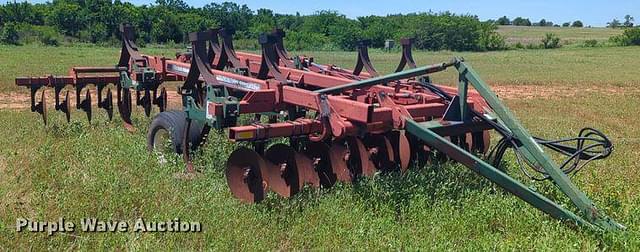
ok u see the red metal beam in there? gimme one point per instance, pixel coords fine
(254, 132)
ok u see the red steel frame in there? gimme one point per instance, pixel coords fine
(357, 111)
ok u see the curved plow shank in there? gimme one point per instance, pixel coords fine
(84, 104)
(65, 105)
(133, 73)
(41, 106)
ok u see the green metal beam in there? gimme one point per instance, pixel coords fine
(422, 131)
(390, 77)
(533, 151)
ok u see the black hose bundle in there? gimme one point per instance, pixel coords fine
(589, 145)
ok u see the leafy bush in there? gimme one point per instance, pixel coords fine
(490, 40)
(95, 34)
(46, 35)
(519, 46)
(48, 39)
(590, 43)
(305, 40)
(630, 36)
(446, 31)
(247, 44)
(534, 46)
(550, 41)
(9, 34)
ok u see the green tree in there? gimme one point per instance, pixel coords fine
(9, 34)
(67, 17)
(519, 21)
(166, 26)
(229, 15)
(615, 23)
(377, 29)
(96, 33)
(628, 20)
(341, 31)
(191, 22)
(543, 22)
(289, 22)
(577, 23)
(173, 5)
(489, 39)
(567, 24)
(22, 12)
(263, 21)
(503, 21)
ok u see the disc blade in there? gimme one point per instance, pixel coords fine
(401, 149)
(281, 171)
(306, 171)
(381, 151)
(404, 151)
(339, 154)
(361, 154)
(468, 138)
(486, 141)
(319, 153)
(244, 175)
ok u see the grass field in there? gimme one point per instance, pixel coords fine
(100, 170)
(571, 35)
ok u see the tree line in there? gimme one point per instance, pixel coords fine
(615, 23)
(520, 21)
(170, 21)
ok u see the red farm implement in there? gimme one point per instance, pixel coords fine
(340, 124)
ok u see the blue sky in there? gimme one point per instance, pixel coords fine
(591, 12)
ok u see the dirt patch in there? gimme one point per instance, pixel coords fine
(14, 100)
(555, 92)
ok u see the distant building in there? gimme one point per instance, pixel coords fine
(389, 44)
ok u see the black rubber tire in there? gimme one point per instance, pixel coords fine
(174, 122)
